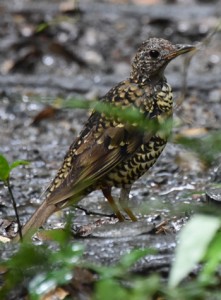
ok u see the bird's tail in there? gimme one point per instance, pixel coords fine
(40, 216)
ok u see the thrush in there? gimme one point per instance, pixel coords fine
(111, 151)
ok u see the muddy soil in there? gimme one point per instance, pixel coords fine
(50, 52)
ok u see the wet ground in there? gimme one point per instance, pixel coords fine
(50, 52)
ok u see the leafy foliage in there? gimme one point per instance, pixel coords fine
(125, 114)
(43, 267)
(193, 245)
(6, 168)
(207, 147)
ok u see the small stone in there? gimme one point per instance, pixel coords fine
(213, 194)
(215, 95)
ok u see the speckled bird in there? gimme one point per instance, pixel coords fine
(109, 151)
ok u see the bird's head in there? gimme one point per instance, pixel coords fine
(153, 56)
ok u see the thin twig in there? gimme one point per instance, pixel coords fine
(88, 212)
(15, 207)
(205, 42)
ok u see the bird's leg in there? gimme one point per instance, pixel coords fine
(107, 194)
(124, 197)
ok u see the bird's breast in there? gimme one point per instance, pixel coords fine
(164, 98)
(158, 104)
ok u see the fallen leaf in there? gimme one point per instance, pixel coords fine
(58, 294)
(46, 113)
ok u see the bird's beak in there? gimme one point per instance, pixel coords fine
(180, 49)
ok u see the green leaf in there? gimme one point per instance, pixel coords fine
(68, 255)
(145, 287)
(4, 168)
(121, 268)
(126, 114)
(110, 289)
(212, 259)
(41, 27)
(17, 163)
(129, 259)
(193, 243)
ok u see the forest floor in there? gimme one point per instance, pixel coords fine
(51, 52)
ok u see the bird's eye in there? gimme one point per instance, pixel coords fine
(154, 53)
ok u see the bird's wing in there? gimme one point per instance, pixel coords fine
(100, 147)
(91, 161)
